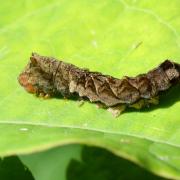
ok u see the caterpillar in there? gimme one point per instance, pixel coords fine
(47, 76)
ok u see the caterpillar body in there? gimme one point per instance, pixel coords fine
(49, 76)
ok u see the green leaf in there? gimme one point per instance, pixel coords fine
(113, 37)
(51, 164)
(83, 162)
(97, 163)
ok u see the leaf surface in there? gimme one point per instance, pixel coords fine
(114, 37)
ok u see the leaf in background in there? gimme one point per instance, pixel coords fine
(12, 168)
(51, 164)
(97, 163)
(113, 37)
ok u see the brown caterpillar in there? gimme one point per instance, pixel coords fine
(50, 77)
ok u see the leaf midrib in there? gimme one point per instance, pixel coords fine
(89, 129)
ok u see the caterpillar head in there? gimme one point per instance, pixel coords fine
(35, 77)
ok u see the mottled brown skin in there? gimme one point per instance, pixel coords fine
(50, 76)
